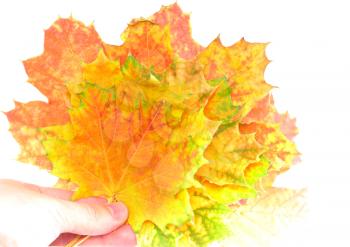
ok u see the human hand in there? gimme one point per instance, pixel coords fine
(36, 216)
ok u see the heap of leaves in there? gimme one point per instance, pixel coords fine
(182, 134)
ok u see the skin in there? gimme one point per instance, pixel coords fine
(37, 216)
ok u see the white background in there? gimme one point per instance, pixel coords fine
(310, 55)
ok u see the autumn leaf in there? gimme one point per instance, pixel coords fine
(261, 111)
(229, 154)
(152, 236)
(220, 105)
(275, 131)
(68, 43)
(254, 222)
(137, 85)
(243, 65)
(188, 88)
(147, 42)
(184, 135)
(264, 216)
(264, 111)
(280, 150)
(180, 30)
(205, 227)
(102, 164)
(233, 192)
(102, 71)
(287, 125)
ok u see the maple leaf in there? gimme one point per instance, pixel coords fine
(147, 42)
(234, 191)
(125, 166)
(67, 44)
(287, 125)
(229, 153)
(265, 111)
(180, 133)
(281, 151)
(180, 30)
(129, 150)
(255, 221)
(263, 217)
(275, 131)
(220, 105)
(205, 227)
(243, 65)
(261, 111)
(152, 236)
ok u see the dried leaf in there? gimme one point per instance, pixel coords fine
(229, 154)
(147, 42)
(243, 64)
(68, 43)
(102, 166)
(180, 30)
(260, 219)
(280, 151)
(180, 133)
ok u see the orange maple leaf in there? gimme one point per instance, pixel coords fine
(176, 131)
(68, 43)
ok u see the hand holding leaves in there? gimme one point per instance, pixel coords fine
(176, 131)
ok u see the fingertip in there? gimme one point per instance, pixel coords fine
(118, 211)
(90, 217)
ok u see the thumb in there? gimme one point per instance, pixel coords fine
(88, 218)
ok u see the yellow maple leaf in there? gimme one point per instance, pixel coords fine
(176, 131)
(229, 154)
(243, 65)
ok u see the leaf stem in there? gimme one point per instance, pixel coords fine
(77, 240)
